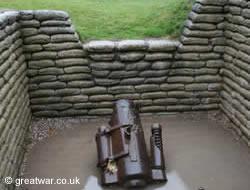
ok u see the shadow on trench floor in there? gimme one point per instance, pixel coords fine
(198, 153)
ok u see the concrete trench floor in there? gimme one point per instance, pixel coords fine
(198, 153)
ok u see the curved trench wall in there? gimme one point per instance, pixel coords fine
(46, 70)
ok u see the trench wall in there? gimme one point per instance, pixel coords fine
(67, 78)
(47, 71)
(235, 94)
(15, 114)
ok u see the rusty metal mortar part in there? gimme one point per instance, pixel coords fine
(122, 151)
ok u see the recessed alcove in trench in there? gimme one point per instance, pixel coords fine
(50, 80)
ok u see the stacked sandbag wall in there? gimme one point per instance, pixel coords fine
(150, 73)
(15, 114)
(57, 67)
(235, 94)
